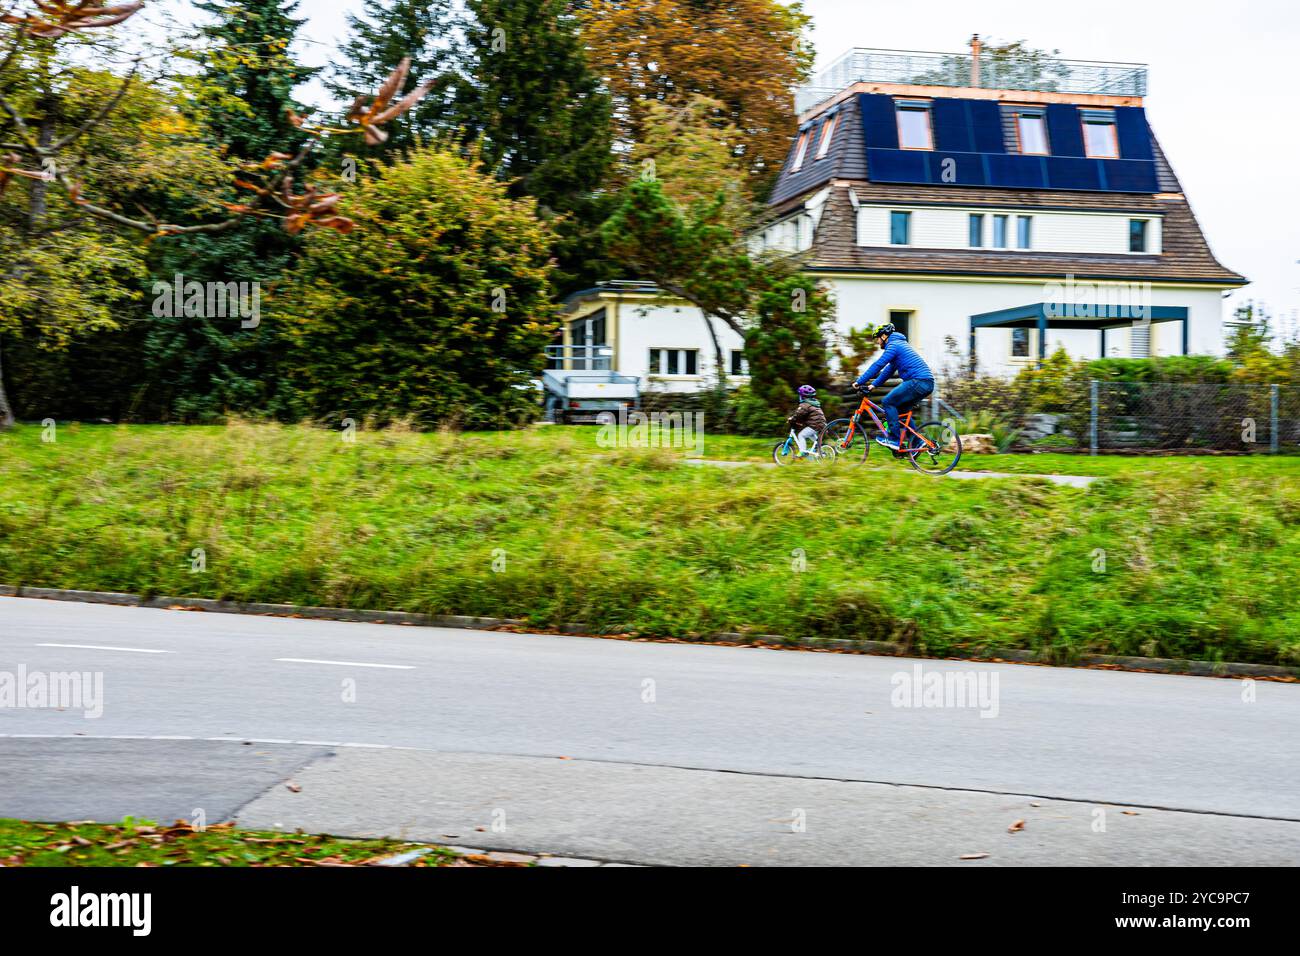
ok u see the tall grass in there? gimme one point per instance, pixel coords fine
(1189, 557)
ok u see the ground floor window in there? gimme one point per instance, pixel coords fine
(674, 361)
(902, 321)
(1020, 343)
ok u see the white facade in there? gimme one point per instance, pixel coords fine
(949, 228)
(643, 329)
(940, 309)
(663, 341)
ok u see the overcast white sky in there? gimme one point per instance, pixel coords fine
(1223, 93)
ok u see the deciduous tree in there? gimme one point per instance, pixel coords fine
(747, 54)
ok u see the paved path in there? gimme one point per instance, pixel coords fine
(643, 752)
(1072, 481)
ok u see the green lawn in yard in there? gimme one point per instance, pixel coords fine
(1172, 557)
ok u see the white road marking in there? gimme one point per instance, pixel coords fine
(99, 647)
(306, 660)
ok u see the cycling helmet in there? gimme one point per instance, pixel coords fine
(807, 391)
(886, 329)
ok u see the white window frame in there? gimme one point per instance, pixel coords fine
(800, 151)
(1028, 220)
(1025, 113)
(662, 357)
(914, 106)
(828, 132)
(1114, 132)
(1005, 217)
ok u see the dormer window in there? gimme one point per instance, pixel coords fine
(800, 151)
(1031, 131)
(914, 124)
(1099, 138)
(828, 130)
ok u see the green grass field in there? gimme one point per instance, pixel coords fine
(1171, 557)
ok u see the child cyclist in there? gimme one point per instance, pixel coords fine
(896, 357)
(807, 420)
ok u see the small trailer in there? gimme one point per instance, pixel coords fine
(579, 384)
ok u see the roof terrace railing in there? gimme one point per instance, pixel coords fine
(997, 71)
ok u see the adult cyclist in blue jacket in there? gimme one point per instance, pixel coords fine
(896, 356)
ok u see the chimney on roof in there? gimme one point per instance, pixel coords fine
(975, 48)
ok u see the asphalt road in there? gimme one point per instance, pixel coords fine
(642, 752)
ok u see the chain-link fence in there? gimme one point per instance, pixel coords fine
(1079, 415)
(1116, 417)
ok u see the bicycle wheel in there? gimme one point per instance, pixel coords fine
(783, 452)
(940, 452)
(851, 448)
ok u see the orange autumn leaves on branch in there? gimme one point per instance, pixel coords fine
(274, 185)
(320, 209)
(57, 17)
(8, 172)
(380, 112)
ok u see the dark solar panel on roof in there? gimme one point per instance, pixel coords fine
(1067, 172)
(898, 165)
(1063, 130)
(1018, 172)
(986, 122)
(878, 124)
(1134, 133)
(962, 169)
(952, 125)
(1129, 175)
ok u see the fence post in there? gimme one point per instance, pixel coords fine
(1093, 430)
(934, 405)
(1272, 422)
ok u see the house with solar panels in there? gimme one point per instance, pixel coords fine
(993, 209)
(996, 209)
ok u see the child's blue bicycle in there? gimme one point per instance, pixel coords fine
(786, 452)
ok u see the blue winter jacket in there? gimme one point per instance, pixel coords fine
(898, 357)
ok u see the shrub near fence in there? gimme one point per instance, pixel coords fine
(1176, 415)
(1178, 403)
(1144, 416)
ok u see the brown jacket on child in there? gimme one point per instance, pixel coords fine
(809, 414)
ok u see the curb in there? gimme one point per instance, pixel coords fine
(1159, 665)
(499, 857)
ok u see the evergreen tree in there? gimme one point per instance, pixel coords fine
(243, 101)
(542, 119)
(384, 33)
(437, 308)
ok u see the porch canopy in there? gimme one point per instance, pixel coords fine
(1049, 315)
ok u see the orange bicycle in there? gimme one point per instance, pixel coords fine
(933, 448)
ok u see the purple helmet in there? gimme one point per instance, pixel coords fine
(807, 391)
